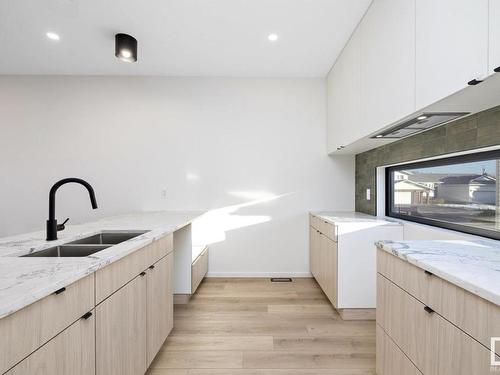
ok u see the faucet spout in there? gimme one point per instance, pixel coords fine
(52, 226)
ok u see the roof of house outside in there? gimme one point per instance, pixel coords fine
(410, 185)
(485, 179)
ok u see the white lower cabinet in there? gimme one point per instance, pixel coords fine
(342, 258)
(70, 352)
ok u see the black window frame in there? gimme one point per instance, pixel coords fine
(472, 157)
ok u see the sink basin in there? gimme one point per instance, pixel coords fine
(88, 245)
(107, 238)
(68, 251)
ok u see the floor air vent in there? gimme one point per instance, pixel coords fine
(281, 280)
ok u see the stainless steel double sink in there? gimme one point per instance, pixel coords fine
(88, 245)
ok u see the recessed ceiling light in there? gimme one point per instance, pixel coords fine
(272, 37)
(52, 36)
(423, 117)
(379, 136)
(126, 47)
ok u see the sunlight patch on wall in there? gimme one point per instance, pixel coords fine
(212, 226)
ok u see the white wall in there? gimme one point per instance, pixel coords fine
(417, 231)
(210, 143)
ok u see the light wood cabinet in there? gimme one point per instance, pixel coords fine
(404, 319)
(121, 331)
(474, 315)
(451, 47)
(426, 327)
(390, 359)
(26, 330)
(199, 269)
(113, 277)
(159, 305)
(133, 317)
(70, 352)
(387, 63)
(314, 251)
(328, 268)
(323, 259)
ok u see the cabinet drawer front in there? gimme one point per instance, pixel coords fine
(160, 248)
(199, 269)
(390, 359)
(432, 343)
(476, 316)
(111, 278)
(70, 352)
(410, 278)
(315, 222)
(403, 318)
(26, 330)
(328, 229)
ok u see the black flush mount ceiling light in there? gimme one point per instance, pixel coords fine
(126, 47)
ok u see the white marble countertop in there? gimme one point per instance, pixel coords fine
(26, 280)
(350, 217)
(473, 265)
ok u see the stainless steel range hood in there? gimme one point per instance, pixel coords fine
(417, 124)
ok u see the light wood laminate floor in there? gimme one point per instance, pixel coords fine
(255, 327)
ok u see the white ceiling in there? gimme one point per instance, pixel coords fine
(177, 37)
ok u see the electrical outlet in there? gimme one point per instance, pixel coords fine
(163, 194)
(368, 194)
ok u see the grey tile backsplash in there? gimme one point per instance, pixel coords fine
(476, 131)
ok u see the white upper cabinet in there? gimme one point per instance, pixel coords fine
(387, 63)
(451, 47)
(494, 37)
(405, 56)
(344, 97)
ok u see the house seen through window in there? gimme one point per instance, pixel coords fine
(459, 193)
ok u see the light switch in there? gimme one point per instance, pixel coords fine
(368, 194)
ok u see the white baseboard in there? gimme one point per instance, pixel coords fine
(259, 274)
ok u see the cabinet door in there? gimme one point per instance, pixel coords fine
(159, 305)
(313, 252)
(458, 353)
(121, 331)
(344, 97)
(390, 359)
(387, 63)
(452, 47)
(70, 352)
(494, 35)
(323, 267)
(329, 268)
(332, 275)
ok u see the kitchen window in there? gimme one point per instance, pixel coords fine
(459, 193)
